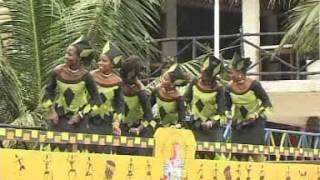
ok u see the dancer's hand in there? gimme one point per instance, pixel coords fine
(134, 131)
(137, 130)
(53, 116)
(266, 111)
(207, 125)
(223, 120)
(116, 128)
(177, 126)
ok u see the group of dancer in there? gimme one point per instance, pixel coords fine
(113, 100)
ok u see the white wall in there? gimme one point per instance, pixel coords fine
(294, 100)
(314, 67)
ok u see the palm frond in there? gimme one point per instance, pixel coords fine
(124, 22)
(191, 68)
(268, 3)
(29, 30)
(287, 4)
(36, 33)
(303, 28)
(11, 105)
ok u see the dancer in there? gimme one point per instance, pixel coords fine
(206, 99)
(109, 113)
(69, 84)
(249, 104)
(170, 102)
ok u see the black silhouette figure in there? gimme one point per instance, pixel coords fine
(249, 168)
(148, 170)
(238, 172)
(72, 170)
(47, 163)
(200, 171)
(262, 173)
(288, 174)
(130, 169)
(20, 162)
(215, 172)
(89, 171)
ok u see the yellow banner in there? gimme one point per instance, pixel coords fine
(41, 165)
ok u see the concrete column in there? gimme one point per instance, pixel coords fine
(270, 22)
(216, 28)
(251, 24)
(170, 9)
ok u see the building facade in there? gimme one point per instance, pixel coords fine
(286, 75)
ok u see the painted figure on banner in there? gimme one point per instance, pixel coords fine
(130, 169)
(215, 172)
(89, 171)
(19, 161)
(174, 167)
(249, 169)
(148, 171)
(72, 173)
(288, 177)
(110, 169)
(47, 174)
(200, 172)
(227, 173)
(262, 174)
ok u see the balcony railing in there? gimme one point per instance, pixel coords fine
(197, 45)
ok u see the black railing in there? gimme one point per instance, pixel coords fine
(295, 68)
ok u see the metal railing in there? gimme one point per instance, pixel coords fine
(193, 45)
(292, 139)
(303, 139)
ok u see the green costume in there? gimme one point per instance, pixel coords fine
(207, 105)
(111, 95)
(247, 108)
(137, 110)
(101, 118)
(138, 118)
(172, 110)
(68, 90)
